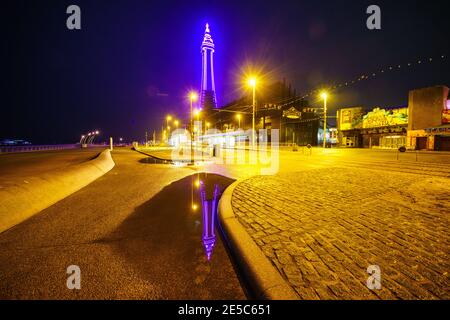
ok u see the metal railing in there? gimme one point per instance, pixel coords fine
(33, 148)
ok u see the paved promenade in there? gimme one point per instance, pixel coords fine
(132, 233)
(323, 227)
(16, 168)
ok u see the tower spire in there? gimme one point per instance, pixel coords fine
(208, 88)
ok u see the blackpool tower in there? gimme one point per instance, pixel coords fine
(208, 99)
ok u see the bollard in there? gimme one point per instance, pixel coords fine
(111, 144)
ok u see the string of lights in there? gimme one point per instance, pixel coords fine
(368, 76)
(308, 120)
(345, 84)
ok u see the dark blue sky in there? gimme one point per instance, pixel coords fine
(134, 61)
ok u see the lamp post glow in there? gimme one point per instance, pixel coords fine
(168, 119)
(239, 120)
(197, 114)
(192, 97)
(324, 97)
(252, 83)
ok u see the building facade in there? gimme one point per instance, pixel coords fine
(422, 125)
(277, 107)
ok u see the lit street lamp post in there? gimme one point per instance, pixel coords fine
(197, 114)
(192, 98)
(252, 83)
(239, 120)
(324, 96)
(168, 119)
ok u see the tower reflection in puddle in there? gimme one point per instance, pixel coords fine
(209, 215)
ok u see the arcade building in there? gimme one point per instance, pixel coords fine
(424, 124)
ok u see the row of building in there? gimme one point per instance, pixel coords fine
(423, 124)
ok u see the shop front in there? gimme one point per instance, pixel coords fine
(379, 128)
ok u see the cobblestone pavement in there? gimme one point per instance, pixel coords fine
(322, 229)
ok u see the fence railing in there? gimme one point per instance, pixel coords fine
(32, 148)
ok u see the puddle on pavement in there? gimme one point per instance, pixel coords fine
(173, 241)
(150, 160)
(175, 163)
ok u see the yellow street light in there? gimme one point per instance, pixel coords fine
(192, 97)
(168, 118)
(176, 122)
(239, 116)
(252, 83)
(324, 96)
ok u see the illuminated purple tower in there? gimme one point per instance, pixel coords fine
(209, 207)
(208, 99)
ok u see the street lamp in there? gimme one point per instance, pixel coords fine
(192, 97)
(91, 136)
(168, 119)
(197, 114)
(252, 83)
(239, 116)
(324, 96)
(176, 123)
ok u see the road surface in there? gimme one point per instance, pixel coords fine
(132, 233)
(134, 236)
(16, 167)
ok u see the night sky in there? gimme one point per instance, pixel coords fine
(133, 62)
